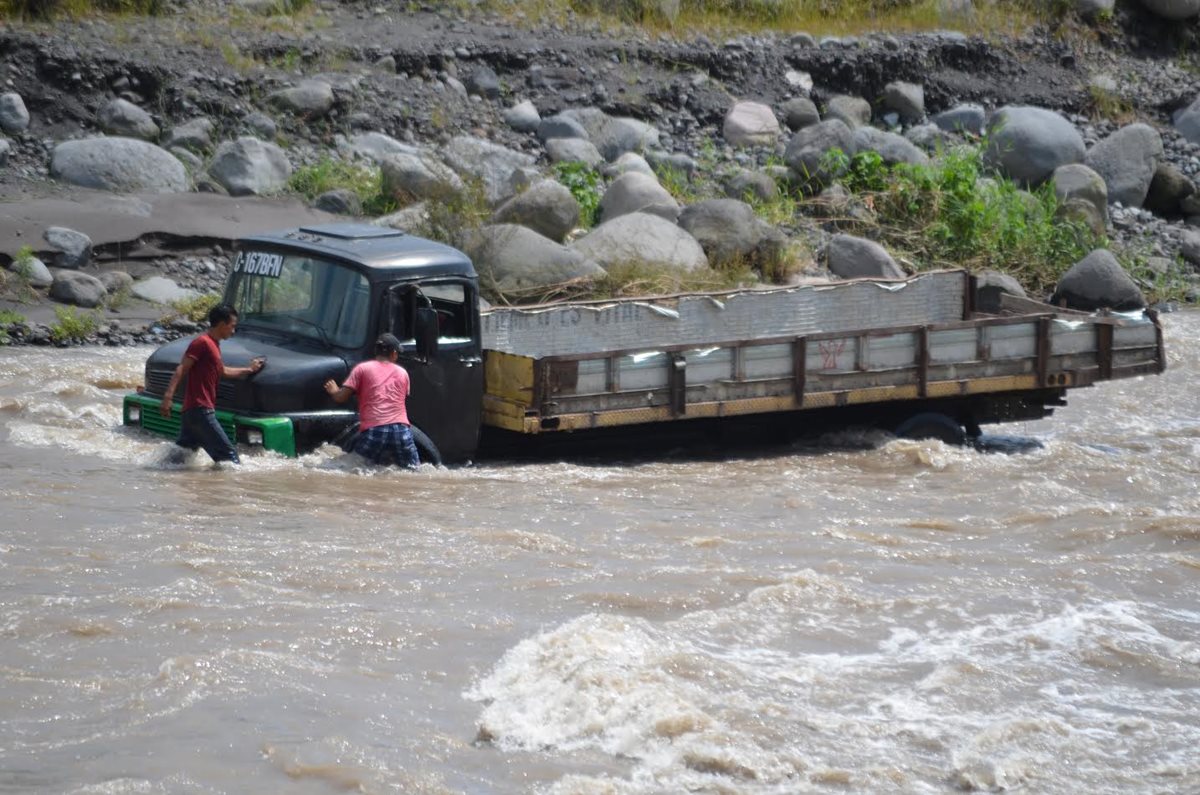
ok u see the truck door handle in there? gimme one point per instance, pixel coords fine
(470, 361)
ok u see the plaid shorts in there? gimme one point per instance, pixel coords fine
(386, 444)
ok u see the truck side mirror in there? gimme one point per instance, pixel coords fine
(426, 332)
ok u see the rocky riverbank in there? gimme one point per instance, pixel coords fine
(567, 156)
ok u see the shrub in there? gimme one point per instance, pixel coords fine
(72, 326)
(333, 174)
(196, 309)
(584, 183)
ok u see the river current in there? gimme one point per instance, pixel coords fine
(866, 615)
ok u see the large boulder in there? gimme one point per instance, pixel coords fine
(80, 289)
(375, 147)
(752, 185)
(850, 257)
(491, 164)
(1174, 9)
(513, 257)
(800, 112)
(907, 100)
(1127, 160)
(1189, 247)
(1168, 190)
(1098, 281)
(560, 126)
(1077, 182)
(73, 250)
(614, 135)
(807, 153)
(750, 124)
(161, 290)
(1027, 144)
(573, 150)
(194, 135)
(968, 118)
(731, 234)
(14, 118)
(630, 161)
(413, 178)
(547, 208)
(122, 165)
(311, 99)
(851, 111)
(121, 117)
(634, 192)
(891, 147)
(641, 238)
(523, 117)
(1187, 122)
(250, 167)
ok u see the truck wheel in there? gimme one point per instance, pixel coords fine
(425, 447)
(932, 425)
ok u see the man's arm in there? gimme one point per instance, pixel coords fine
(256, 364)
(182, 370)
(339, 394)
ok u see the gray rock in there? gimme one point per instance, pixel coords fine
(514, 258)
(750, 124)
(249, 166)
(573, 150)
(413, 178)
(33, 271)
(1084, 213)
(1027, 144)
(634, 192)
(1077, 181)
(119, 117)
(752, 186)
(731, 234)
(675, 162)
(14, 118)
(968, 118)
(849, 257)
(613, 136)
(1127, 160)
(484, 82)
(1098, 281)
(1189, 247)
(116, 282)
(5, 150)
(547, 208)
(413, 219)
(1173, 9)
(807, 153)
(642, 239)
(261, 125)
(79, 289)
(630, 161)
(1169, 188)
(560, 126)
(311, 99)
(990, 286)
(121, 165)
(906, 99)
(523, 117)
(800, 112)
(851, 111)
(161, 290)
(1187, 122)
(190, 160)
(491, 164)
(194, 135)
(929, 137)
(374, 146)
(341, 201)
(891, 147)
(74, 249)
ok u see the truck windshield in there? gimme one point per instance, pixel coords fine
(300, 296)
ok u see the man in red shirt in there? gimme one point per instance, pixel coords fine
(382, 388)
(203, 368)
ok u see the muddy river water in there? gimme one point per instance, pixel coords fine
(867, 615)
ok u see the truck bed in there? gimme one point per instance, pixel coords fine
(604, 364)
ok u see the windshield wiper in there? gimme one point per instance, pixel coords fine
(320, 329)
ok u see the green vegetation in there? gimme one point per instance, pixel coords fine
(196, 309)
(8, 318)
(452, 218)
(333, 174)
(947, 214)
(51, 9)
(72, 326)
(584, 183)
(1105, 104)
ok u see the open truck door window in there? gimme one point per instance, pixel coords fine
(451, 302)
(290, 294)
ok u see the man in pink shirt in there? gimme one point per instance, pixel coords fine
(382, 389)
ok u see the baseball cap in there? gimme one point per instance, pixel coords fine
(387, 343)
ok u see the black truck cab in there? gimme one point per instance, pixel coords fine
(312, 300)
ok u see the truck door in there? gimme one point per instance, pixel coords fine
(446, 401)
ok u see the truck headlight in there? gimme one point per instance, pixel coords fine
(135, 414)
(254, 436)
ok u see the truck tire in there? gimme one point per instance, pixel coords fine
(932, 425)
(425, 447)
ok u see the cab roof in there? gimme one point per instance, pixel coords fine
(383, 250)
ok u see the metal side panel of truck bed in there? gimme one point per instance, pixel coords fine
(608, 364)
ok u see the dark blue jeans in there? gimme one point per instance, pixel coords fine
(198, 428)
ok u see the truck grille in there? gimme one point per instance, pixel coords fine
(158, 381)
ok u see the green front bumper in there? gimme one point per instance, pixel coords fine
(271, 433)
